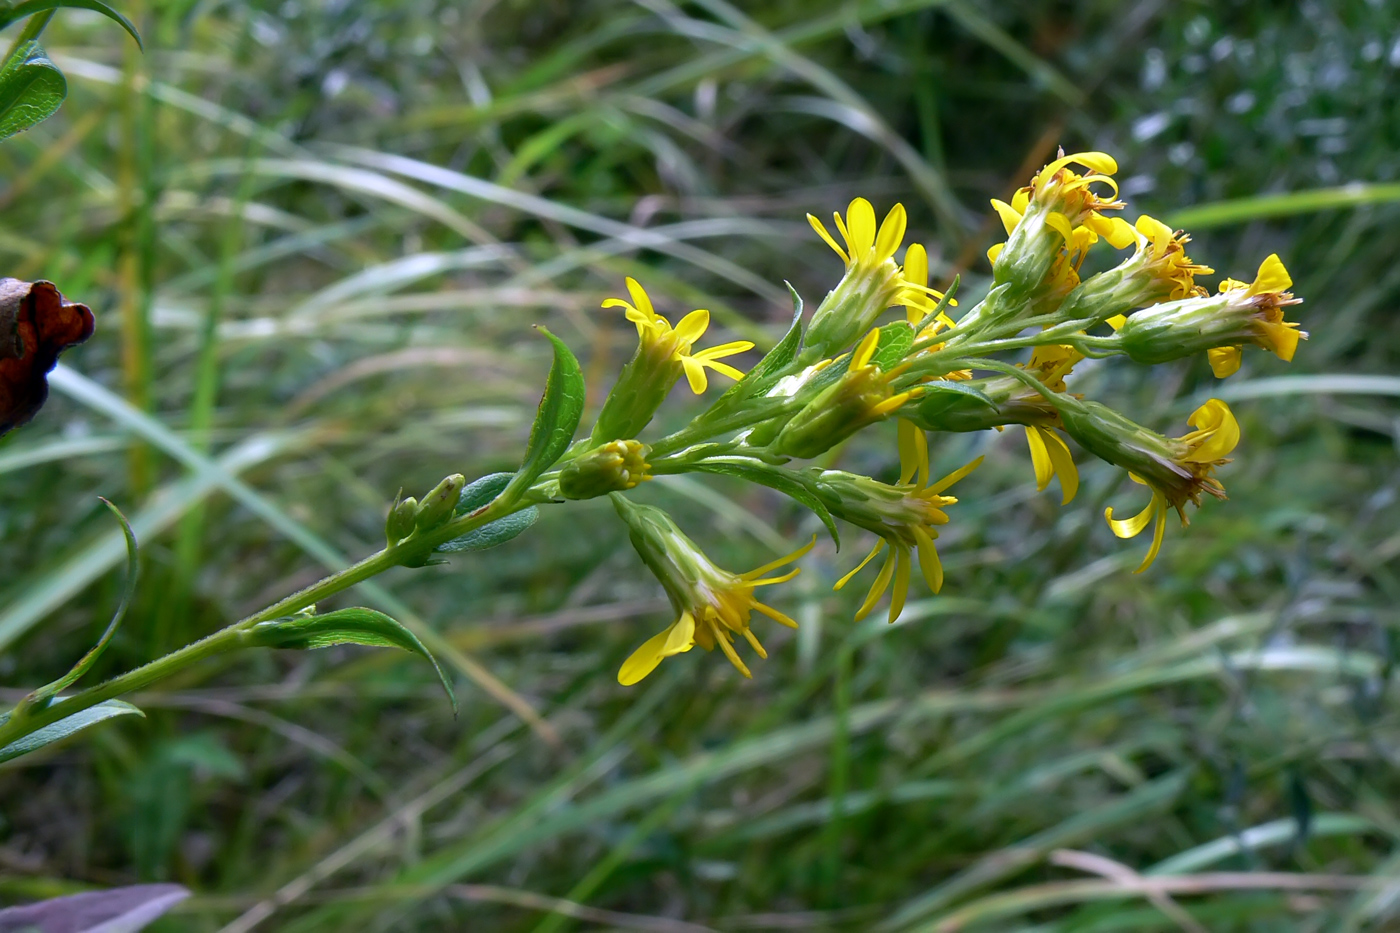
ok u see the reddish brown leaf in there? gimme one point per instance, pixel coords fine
(36, 324)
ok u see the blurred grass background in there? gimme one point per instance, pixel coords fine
(315, 234)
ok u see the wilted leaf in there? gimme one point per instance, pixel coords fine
(31, 89)
(560, 409)
(355, 626)
(53, 732)
(116, 910)
(36, 324)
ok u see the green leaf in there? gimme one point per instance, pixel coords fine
(31, 89)
(491, 534)
(69, 725)
(771, 367)
(560, 409)
(128, 590)
(941, 396)
(357, 626)
(895, 341)
(29, 7)
(784, 481)
(480, 492)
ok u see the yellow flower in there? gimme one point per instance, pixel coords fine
(656, 335)
(1199, 452)
(1050, 457)
(904, 517)
(1267, 295)
(1165, 250)
(866, 246)
(918, 299)
(714, 606)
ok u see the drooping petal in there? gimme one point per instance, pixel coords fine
(821, 232)
(1215, 420)
(1282, 339)
(1224, 361)
(774, 564)
(1130, 527)
(994, 251)
(954, 476)
(680, 638)
(929, 563)
(1040, 458)
(877, 589)
(1095, 161)
(774, 614)
(1061, 225)
(1157, 533)
(754, 643)
(900, 592)
(722, 639)
(1064, 465)
(879, 546)
(913, 453)
(695, 375)
(891, 233)
(644, 660)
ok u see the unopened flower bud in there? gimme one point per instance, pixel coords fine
(997, 401)
(400, 523)
(860, 397)
(613, 467)
(437, 505)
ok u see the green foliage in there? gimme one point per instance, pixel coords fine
(69, 725)
(560, 409)
(31, 89)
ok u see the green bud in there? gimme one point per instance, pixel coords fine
(437, 505)
(400, 523)
(641, 387)
(1156, 459)
(613, 467)
(979, 404)
(850, 309)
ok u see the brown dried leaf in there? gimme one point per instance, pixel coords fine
(36, 324)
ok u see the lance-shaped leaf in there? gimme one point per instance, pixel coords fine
(357, 626)
(56, 731)
(115, 910)
(478, 494)
(784, 481)
(13, 14)
(31, 89)
(946, 396)
(560, 409)
(769, 369)
(88, 660)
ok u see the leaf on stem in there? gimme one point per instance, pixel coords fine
(29, 7)
(31, 89)
(895, 341)
(357, 626)
(784, 481)
(128, 591)
(773, 365)
(560, 409)
(36, 324)
(478, 494)
(55, 731)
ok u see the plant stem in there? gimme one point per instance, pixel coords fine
(231, 637)
(33, 29)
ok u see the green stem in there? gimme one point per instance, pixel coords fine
(231, 637)
(33, 29)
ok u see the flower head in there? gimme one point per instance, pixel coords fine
(905, 517)
(866, 246)
(612, 467)
(1178, 471)
(859, 397)
(1164, 250)
(713, 606)
(1266, 298)
(655, 333)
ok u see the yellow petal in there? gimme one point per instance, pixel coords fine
(879, 546)
(1021, 200)
(640, 298)
(1216, 418)
(1063, 463)
(1060, 224)
(1094, 161)
(821, 232)
(771, 565)
(1130, 527)
(680, 637)
(891, 233)
(913, 453)
(1272, 277)
(954, 476)
(693, 326)
(1089, 179)
(865, 350)
(724, 349)
(1116, 322)
(929, 563)
(695, 375)
(1117, 231)
(1283, 340)
(916, 264)
(1224, 361)
(901, 582)
(860, 229)
(722, 368)
(1009, 216)
(644, 660)
(1155, 231)
(754, 643)
(1157, 533)
(877, 589)
(775, 615)
(1040, 458)
(994, 251)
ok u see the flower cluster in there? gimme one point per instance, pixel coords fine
(934, 370)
